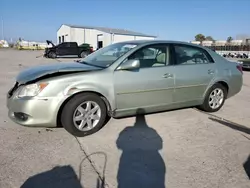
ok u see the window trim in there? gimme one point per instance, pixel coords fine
(211, 60)
(167, 50)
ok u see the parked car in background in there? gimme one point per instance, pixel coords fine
(4, 44)
(117, 80)
(68, 49)
(245, 64)
(235, 55)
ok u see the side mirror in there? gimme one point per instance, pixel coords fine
(129, 65)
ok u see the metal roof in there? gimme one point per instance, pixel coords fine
(111, 30)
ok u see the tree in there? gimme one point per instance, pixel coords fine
(200, 38)
(229, 39)
(209, 38)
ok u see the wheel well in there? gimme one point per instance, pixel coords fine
(65, 102)
(224, 84)
(84, 51)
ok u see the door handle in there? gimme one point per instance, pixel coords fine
(167, 75)
(210, 71)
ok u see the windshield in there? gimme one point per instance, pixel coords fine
(104, 57)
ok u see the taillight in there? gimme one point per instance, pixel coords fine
(239, 67)
(91, 49)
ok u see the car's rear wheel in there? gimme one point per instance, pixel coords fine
(215, 98)
(83, 54)
(84, 114)
(52, 55)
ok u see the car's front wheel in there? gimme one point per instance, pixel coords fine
(52, 55)
(215, 98)
(84, 114)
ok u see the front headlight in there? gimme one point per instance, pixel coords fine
(31, 90)
(240, 62)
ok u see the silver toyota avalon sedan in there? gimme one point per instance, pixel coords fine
(119, 79)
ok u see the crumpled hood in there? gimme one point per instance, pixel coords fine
(50, 42)
(43, 70)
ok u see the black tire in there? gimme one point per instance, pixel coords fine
(205, 106)
(70, 107)
(83, 54)
(52, 55)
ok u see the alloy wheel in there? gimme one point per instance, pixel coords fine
(216, 98)
(87, 115)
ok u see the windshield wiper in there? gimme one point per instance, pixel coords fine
(84, 62)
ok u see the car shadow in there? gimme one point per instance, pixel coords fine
(141, 164)
(232, 125)
(240, 128)
(64, 177)
(152, 113)
(58, 177)
(68, 57)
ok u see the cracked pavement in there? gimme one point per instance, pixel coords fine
(177, 149)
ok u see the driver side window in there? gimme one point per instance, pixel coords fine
(151, 56)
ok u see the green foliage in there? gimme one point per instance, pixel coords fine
(200, 37)
(229, 39)
(209, 38)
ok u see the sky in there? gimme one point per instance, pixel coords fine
(38, 20)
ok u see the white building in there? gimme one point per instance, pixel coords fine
(195, 42)
(236, 42)
(207, 43)
(220, 43)
(32, 45)
(97, 36)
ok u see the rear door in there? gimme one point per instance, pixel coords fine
(73, 50)
(194, 70)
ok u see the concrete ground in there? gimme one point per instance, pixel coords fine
(177, 149)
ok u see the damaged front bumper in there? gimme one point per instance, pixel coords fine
(34, 111)
(46, 54)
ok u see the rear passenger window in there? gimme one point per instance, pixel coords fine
(73, 44)
(188, 55)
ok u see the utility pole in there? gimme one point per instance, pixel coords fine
(2, 30)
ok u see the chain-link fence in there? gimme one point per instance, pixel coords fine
(230, 48)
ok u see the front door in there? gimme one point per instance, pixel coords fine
(194, 71)
(149, 87)
(63, 49)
